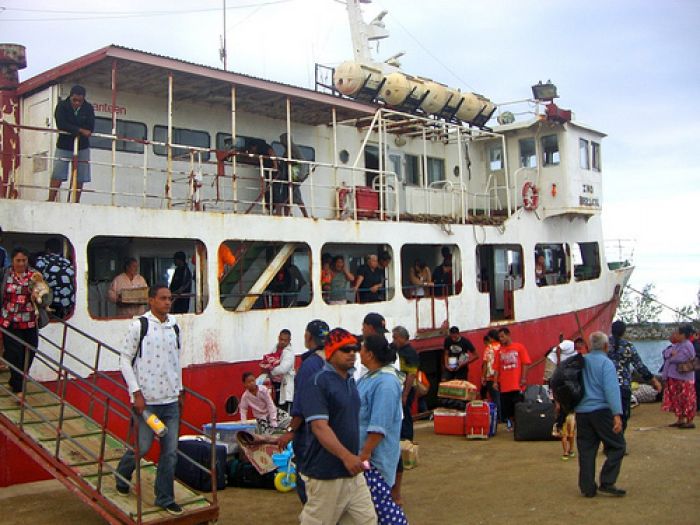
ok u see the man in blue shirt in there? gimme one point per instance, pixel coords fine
(312, 362)
(599, 418)
(332, 469)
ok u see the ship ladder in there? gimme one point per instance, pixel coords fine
(77, 426)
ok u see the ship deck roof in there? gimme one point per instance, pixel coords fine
(147, 73)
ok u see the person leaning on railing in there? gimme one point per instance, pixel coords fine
(76, 117)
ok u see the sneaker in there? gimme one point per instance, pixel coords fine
(123, 491)
(612, 490)
(565, 457)
(588, 494)
(174, 509)
(572, 454)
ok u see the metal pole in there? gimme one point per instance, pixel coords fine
(335, 156)
(145, 174)
(461, 177)
(74, 172)
(233, 145)
(224, 38)
(114, 128)
(381, 167)
(168, 191)
(290, 200)
(505, 169)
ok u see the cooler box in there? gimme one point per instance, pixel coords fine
(226, 432)
(457, 389)
(449, 422)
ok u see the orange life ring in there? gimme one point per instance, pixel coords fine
(531, 196)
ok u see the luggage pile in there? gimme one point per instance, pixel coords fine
(478, 421)
(535, 416)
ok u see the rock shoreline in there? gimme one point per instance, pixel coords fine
(650, 331)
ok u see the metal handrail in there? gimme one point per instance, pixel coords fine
(94, 391)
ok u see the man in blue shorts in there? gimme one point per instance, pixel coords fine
(76, 117)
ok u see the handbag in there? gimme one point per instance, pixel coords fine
(43, 318)
(689, 366)
(422, 384)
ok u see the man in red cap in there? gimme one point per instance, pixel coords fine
(337, 492)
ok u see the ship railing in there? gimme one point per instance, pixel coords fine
(619, 253)
(272, 300)
(197, 186)
(77, 388)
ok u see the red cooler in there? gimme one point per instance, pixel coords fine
(449, 422)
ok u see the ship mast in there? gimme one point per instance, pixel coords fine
(362, 33)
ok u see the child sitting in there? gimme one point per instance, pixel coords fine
(568, 433)
(257, 398)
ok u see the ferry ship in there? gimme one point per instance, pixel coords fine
(384, 163)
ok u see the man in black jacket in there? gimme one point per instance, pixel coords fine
(76, 117)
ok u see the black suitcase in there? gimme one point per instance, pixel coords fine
(200, 451)
(534, 421)
(242, 473)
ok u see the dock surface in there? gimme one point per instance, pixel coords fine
(470, 482)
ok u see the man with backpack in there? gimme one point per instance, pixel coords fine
(150, 364)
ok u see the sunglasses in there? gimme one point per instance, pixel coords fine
(348, 349)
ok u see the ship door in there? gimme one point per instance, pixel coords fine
(500, 274)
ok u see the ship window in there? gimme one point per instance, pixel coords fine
(155, 263)
(185, 137)
(550, 150)
(308, 152)
(496, 158)
(436, 170)
(223, 141)
(340, 289)
(595, 156)
(38, 244)
(125, 128)
(528, 156)
(586, 260)
(412, 170)
(259, 275)
(430, 270)
(499, 274)
(584, 157)
(551, 264)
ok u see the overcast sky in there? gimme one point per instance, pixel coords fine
(628, 68)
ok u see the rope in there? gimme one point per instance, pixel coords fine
(651, 298)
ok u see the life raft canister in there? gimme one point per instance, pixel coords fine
(531, 196)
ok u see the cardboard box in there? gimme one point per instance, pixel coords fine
(457, 389)
(134, 296)
(450, 422)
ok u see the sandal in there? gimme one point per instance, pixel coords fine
(676, 424)
(686, 425)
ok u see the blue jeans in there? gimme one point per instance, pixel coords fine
(62, 165)
(165, 476)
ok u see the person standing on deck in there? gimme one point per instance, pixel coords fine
(369, 282)
(76, 117)
(624, 356)
(513, 364)
(151, 369)
(311, 362)
(59, 274)
(599, 419)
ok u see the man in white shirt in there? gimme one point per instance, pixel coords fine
(153, 376)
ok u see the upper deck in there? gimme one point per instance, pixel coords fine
(171, 134)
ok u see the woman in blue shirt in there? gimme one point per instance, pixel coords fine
(380, 425)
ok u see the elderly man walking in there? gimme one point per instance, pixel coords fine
(599, 419)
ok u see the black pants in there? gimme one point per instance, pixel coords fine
(592, 428)
(626, 395)
(508, 401)
(407, 421)
(14, 354)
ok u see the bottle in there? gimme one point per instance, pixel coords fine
(158, 427)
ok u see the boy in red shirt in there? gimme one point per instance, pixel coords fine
(513, 364)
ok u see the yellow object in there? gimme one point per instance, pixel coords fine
(284, 483)
(155, 424)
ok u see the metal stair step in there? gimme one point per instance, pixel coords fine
(72, 454)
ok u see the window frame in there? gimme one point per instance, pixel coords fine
(563, 277)
(534, 152)
(435, 161)
(164, 152)
(415, 170)
(584, 153)
(547, 156)
(121, 145)
(493, 148)
(595, 156)
(581, 268)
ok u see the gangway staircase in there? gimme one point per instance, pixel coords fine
(77, 425)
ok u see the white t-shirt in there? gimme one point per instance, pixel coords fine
(567, 350)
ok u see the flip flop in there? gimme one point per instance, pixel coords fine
(687, 425)
(676, 424)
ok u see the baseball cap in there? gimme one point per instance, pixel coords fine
(376, 321)
(318, 329)
(339, 338)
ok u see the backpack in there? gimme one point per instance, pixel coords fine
(142, 334)
(567, 383)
